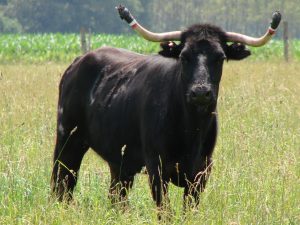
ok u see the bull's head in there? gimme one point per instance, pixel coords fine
(201, 53)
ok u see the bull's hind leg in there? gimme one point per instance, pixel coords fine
(121, 182)
(69, 151)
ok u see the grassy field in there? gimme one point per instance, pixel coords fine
(65, 47)
(256, 173)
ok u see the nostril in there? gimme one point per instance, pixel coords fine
(193, 94)
(208, 94)
(200, 95)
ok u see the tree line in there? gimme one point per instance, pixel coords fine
(68, 16)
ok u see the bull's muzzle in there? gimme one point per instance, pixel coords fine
(201, 95)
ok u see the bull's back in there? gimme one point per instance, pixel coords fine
(86, 73)
(105, 91)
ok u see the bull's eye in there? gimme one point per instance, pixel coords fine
(184, 59)
(185, 62)
(220, 58)
(223, 57)
(217, 61)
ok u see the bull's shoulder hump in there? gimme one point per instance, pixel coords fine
(124, 58)
(107, 55)
(118, 51)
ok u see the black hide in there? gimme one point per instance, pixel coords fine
(163, 108)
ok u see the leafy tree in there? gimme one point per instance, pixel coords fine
(249, 17)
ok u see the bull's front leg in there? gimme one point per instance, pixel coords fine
(154, 150)
(196, 184)
(158, 183)
(202, 165)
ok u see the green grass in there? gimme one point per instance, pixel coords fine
(62, 47)
(256, 172)
(36, 48)
(274, 50)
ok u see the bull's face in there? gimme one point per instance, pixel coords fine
(202, 64)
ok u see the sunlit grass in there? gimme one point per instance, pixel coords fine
(256, 173)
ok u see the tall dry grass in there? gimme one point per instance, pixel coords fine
(256, 173)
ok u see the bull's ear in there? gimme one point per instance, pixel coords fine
(170, 49)
(237, 51)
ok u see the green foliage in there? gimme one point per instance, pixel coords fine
(250, 17)
(275, 50)
(65, 47)
(68, 15)
(38, 47)
(295, 45)
(9, 25)
(62, 48)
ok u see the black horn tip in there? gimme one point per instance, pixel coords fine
(276, 18)
(120, 8)
(124, 13)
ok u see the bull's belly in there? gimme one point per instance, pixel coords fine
(116, 137)
(117, 146)
(129, 153)
(178, 172)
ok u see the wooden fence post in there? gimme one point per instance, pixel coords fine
(285, 41)
(83, 41)
(89, 41)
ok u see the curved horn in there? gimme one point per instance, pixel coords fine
(148, 35)
(257, 42)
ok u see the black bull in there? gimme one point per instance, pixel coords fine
(135, 110)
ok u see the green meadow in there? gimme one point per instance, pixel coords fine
(36, 48)
(256, 172)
